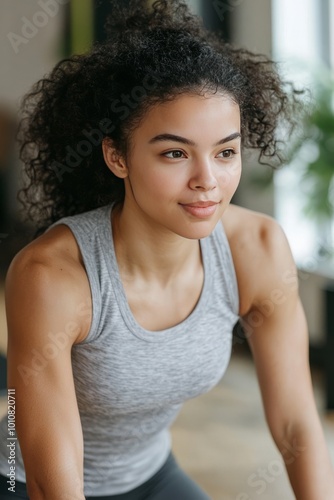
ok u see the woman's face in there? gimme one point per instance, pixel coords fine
(184, 164)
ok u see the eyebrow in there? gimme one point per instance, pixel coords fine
(183, 140)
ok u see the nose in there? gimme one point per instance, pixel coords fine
(202, 177)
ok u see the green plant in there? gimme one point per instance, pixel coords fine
(314, 151)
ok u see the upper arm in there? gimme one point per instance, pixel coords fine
(43, 323)
(276, 330)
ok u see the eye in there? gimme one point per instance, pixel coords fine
(175, 154)
(227, 153)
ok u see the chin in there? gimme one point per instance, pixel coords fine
(197, 231)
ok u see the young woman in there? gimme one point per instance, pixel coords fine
(123, 307)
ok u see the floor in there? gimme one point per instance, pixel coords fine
(221, 438)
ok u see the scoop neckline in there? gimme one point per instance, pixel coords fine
(120, 295)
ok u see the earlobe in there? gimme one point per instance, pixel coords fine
(114, 161)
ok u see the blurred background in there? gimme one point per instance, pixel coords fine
(221, 439)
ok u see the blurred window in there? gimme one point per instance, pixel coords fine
(303, 39)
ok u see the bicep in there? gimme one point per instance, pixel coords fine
(41, 330)
(277, 334)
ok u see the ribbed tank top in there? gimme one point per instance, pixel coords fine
(130, 382)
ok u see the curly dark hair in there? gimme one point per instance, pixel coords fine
(152, 54)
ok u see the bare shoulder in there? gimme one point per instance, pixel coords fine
(256, 231)
(49, 271)
(261, 254)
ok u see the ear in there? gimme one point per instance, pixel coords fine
(114, 161)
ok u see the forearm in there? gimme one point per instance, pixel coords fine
(308, 463)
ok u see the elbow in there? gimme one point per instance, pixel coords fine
(289, 439)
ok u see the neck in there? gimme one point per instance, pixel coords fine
(153, 253)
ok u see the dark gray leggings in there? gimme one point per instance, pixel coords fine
(169, 483)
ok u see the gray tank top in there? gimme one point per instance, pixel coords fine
(130, 382)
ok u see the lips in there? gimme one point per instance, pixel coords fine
(200, 209)
(200, 204)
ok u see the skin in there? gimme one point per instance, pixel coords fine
(156, 239)
(157, 249)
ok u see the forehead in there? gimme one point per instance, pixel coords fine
(192, 116)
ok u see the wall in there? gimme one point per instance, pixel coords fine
(30, 42)
(30, 38)
(251, 29)
(196, 5)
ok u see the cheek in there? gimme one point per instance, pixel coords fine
(164, 182)
(229, 178)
